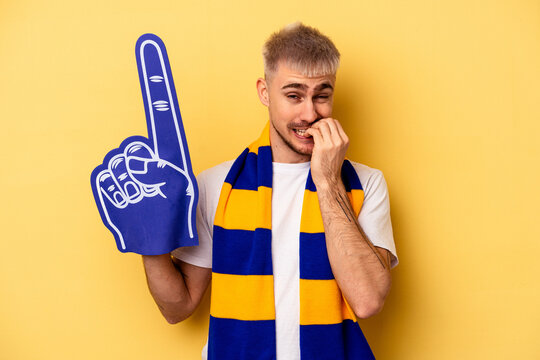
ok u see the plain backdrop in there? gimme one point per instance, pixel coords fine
(442, 96)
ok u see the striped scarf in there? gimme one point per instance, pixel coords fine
(242, 311)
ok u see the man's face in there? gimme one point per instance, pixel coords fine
(294, 103)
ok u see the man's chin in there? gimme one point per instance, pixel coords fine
(304, 150)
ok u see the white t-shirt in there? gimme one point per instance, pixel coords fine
(288, 184)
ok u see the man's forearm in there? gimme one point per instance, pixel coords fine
(168, 287)
(362, 273)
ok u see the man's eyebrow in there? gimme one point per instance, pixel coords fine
(295, 86)
(324, 86)
(304, 86)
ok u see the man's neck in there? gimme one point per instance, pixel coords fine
(288, 156)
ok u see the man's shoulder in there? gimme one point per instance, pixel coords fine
(369, 177)
(364, 170)
(215, 175)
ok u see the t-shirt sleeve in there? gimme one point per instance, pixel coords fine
(200, 255)
(374, 216)
(209, 182)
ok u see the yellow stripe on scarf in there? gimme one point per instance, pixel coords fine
(240, 214)
(326, 305)
(243, 297)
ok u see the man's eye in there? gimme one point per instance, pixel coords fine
(293, 96)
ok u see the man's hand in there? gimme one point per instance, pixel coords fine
(360, 269)
(145, 190)
(330, 146)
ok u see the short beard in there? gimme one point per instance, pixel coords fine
(289, 144)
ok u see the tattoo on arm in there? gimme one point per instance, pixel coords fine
(345, 207)
(343, 203)
(372, 247)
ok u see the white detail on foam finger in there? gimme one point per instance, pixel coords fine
(156, 78)
(144, 161)
(161, 105)
(189, 192)
(114, 165)
(102, 176)
(136, 146)
(137, 196)
(115, 162)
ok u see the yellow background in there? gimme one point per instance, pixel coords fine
(440, 95)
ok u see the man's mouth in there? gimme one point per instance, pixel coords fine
(302, 133)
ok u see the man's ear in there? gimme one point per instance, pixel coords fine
(262, 91)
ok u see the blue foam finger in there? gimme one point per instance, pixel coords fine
(163, 117)
(150, 208)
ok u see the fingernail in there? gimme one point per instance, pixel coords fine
(137, 166)
(138, 149)
(118, 197)
(131, 190)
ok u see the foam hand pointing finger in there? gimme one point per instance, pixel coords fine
(145, 190)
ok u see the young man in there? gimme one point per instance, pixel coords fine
(296, 240)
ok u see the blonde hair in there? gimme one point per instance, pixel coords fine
(302, 48)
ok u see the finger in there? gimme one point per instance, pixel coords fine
(334, 131)
(139, 150)
(109, 189)
(130, 189)
(341, 131)
(325, 132)
(165, 128)
(316, 134)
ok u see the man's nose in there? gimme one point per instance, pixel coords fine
(309, 113)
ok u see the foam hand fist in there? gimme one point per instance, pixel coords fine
(145, 190)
